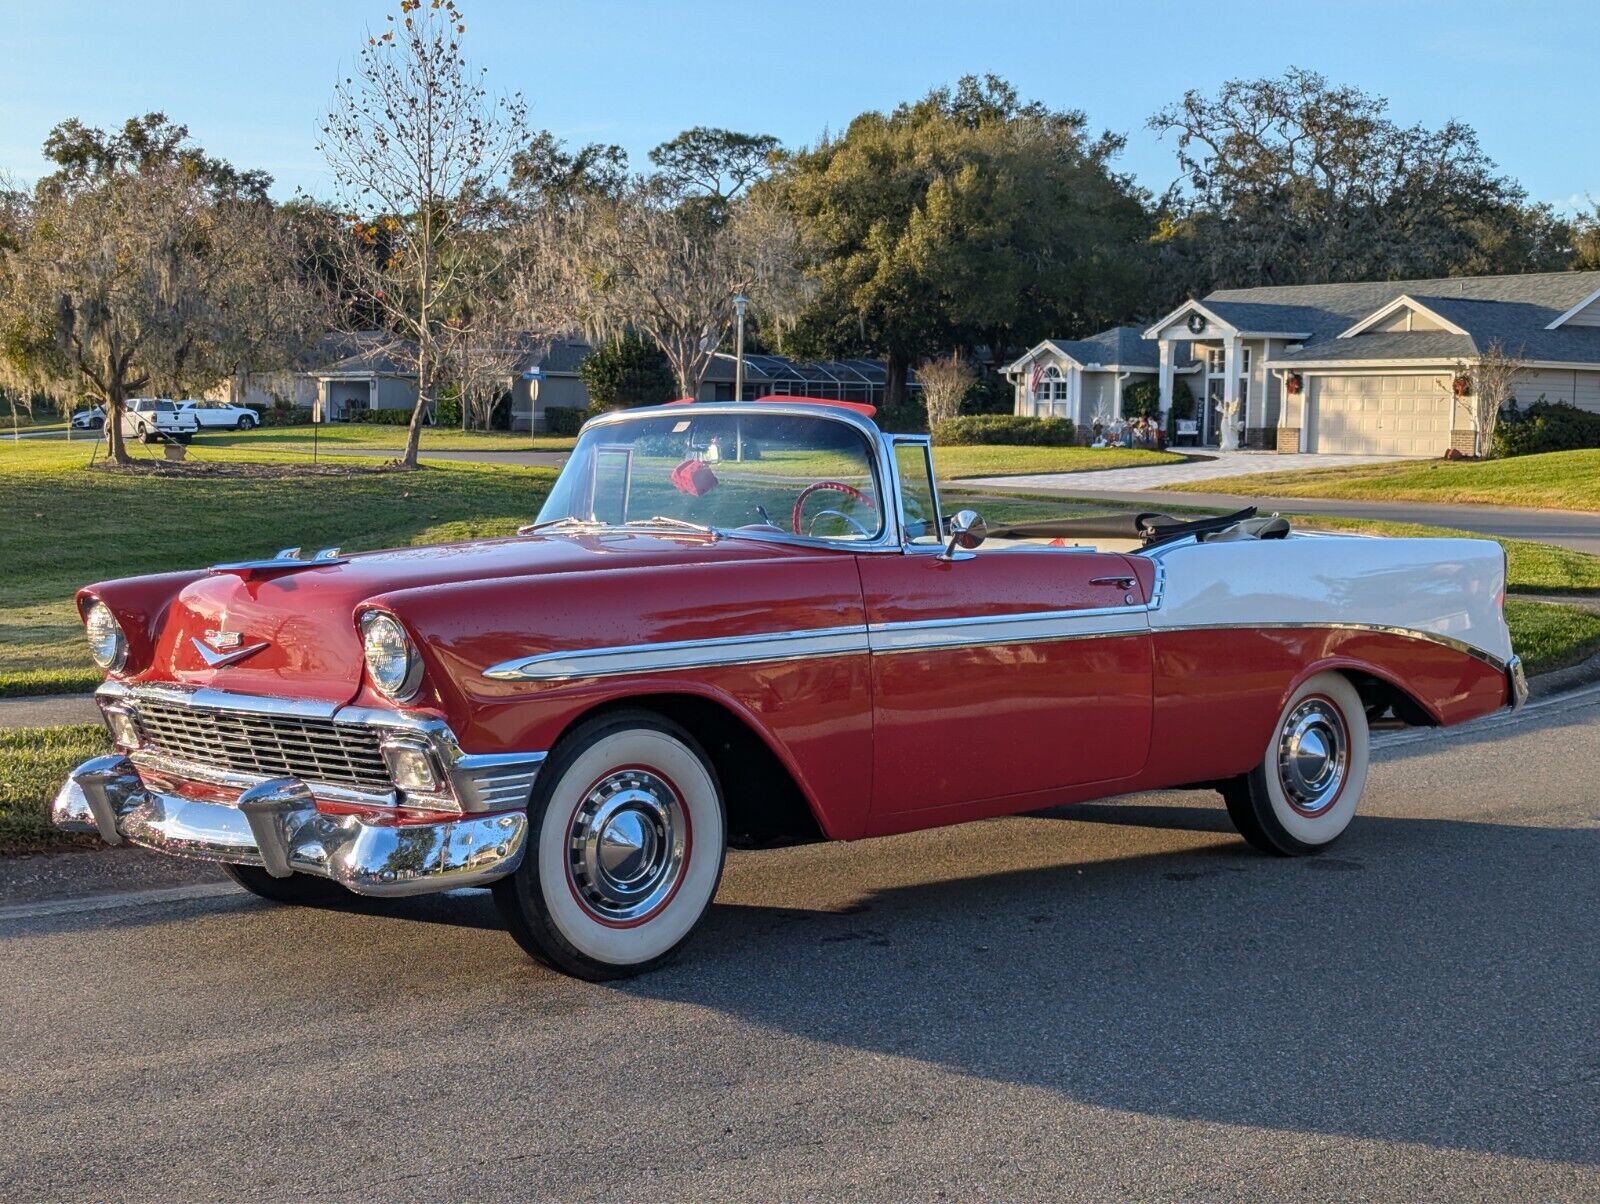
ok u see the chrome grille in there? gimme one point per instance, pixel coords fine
(275, 746)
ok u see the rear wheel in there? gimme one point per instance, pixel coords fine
(296, 888)
(626, 845)
(144, 433)
(1304, 793)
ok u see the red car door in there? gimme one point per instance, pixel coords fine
(1011, 672)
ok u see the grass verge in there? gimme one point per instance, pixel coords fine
(33, 764)
(992, 460)
(64, 526)
(1567, 480)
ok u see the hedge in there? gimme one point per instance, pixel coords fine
(564, 420)
(382, 417)
(1545, 426)
(283, 415)
(1013, 429)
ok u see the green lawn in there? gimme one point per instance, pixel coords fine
(1552, 481)
(351, 436)
(33, 764)
(64, 526)
(990, 460)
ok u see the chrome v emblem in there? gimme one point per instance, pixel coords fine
(216, 659)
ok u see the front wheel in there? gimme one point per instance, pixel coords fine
(296, 888)
(245, 422)
(627, 840)
(1304, 793)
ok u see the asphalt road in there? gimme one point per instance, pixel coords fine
(1112, 1001)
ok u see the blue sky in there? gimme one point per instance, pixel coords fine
(250, 80)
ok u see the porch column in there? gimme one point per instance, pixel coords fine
(1166, 378)
(1229, 439)
(1075, 395)
(1116, 396)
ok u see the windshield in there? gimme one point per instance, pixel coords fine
(759, 473)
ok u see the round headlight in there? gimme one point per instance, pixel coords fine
(392, 663)
(107, 643)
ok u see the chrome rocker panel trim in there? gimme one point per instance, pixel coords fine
(275, 825)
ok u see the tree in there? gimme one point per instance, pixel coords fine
(138, 263)
(713, 167)
(627, 370)
(966, 219)
(1586, 240)
(945, 385)
(417, 144)
(1294, 181)
(1483, 387)
(640, 262)
(545, 173)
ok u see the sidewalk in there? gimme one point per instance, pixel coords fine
(1207, 464)
(48, 710)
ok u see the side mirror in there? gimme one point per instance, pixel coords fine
(967, 530)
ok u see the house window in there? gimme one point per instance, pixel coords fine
(1050, 395)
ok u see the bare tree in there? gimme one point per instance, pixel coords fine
(1482, 389)
(416, 144)
(639, 261)
(945, 385)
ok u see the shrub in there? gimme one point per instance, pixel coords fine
(1012, 429)
(1142, 399)
(945, 385)
(285, 415)
(1545, 426)
(993, 394)
(383, 417)
(447, 412)
(627, 371)
(564, 420)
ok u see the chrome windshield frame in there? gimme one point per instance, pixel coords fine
(880, 459)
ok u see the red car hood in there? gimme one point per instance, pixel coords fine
(301, 623)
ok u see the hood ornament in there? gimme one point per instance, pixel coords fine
(287, 560)
(219, 648)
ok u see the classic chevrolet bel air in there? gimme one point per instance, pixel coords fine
(753, 623)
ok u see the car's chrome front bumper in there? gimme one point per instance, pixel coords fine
(1516, 684)
(276, 825)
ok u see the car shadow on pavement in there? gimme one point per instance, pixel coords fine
(1431, 981)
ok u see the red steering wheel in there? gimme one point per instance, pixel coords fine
(840, 486)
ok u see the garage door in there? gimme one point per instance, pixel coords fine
(1381, 415)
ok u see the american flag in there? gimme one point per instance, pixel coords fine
(1033, 380)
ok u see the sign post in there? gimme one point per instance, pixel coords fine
(533, 376)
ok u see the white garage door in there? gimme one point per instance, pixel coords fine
(1381, 415)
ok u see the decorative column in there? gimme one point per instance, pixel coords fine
(1228, 439)
(1167, 367)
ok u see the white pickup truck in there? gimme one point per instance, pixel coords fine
(154, 418)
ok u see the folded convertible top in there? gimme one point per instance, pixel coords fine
(1150, 528)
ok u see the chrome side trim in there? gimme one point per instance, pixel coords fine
(682, 654)
(917, 635)
(1413, 633)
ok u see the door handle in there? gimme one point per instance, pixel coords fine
(1119, 582)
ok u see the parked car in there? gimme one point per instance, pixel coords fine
(220, 415)
(89, 420)
(155, 418)
(789, 643)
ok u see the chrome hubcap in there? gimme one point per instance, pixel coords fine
(1312, 751)
(626, 846)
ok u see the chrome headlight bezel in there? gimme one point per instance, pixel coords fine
(108, 642)
(393, 666)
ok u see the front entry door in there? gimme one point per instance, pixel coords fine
(1010, 672)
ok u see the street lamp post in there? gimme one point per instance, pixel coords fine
(740, 304)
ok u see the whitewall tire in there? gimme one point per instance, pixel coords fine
(629, 836)
(1304, 793)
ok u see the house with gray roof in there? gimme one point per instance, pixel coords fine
(1084, 379)
(1371, 367)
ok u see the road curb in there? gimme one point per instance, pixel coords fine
(1560, 681)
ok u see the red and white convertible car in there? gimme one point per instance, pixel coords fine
(753, 622)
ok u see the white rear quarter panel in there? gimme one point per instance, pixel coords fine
(1442, 587)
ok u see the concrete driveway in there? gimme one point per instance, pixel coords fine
(1204, 466)
(1112, 1001)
